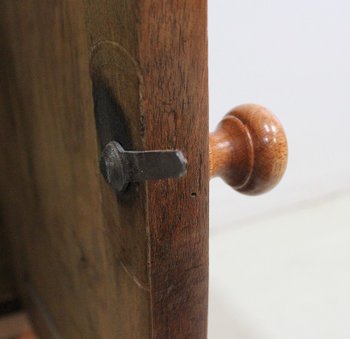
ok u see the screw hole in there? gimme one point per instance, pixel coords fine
(193, 194)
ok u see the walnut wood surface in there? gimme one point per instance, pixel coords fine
(7, 285)
(91, 263)
(249, 150)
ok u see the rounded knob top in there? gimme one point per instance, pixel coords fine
(249, 149)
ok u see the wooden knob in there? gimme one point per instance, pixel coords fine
(248, 150)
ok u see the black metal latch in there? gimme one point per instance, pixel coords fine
(120, 167)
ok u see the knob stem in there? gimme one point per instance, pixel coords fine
(231, 152)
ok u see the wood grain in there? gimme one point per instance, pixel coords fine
(15, 326)
(174, 59)
(249, 150)
(7, 286)
(91, 263)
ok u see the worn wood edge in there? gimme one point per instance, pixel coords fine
(39, 314)
(179, 278)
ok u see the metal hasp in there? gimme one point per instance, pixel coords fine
(120, 167)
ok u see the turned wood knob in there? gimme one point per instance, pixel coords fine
(248, 150)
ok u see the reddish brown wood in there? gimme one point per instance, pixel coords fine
(28, 335)
(249, 150)
(174, 59)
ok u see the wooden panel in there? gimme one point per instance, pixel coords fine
(7, 286)
(16, 326)
(92, 263)
(52, 195)
(174, 60)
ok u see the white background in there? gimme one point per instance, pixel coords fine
(280, 263)
(294, 58)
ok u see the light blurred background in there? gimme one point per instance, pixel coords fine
(280, 263)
